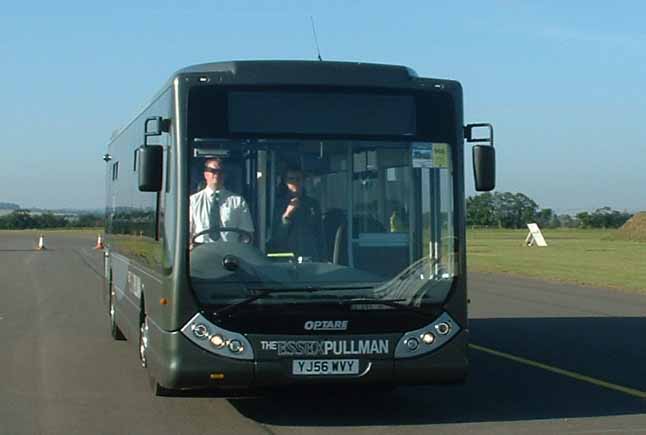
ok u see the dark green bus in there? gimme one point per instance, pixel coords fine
(370, 288)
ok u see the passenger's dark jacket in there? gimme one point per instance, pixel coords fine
(301, 234)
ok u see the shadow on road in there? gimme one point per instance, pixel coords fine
(610, 349)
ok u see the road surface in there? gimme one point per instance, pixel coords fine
(545, 358)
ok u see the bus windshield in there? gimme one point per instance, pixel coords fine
(346, 218)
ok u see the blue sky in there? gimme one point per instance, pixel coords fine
(564, 83)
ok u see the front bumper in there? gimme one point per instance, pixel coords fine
(178, 363)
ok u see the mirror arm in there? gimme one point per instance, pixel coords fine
(468, 133)
(162, 124)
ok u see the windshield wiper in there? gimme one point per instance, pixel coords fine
(394, 303)
(261, 293)
(347, 287)
(264, 292)
(313, 289)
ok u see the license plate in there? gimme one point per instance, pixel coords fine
(321, 367)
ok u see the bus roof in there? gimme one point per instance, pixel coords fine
(305, 72)
(299, 72)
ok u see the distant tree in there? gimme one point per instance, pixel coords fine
(49, 220)
(89, 220)
(23, 219)
(585, 220)
(621, 218)
(603, 217)
(18, 220)
(547, 218)
(9, 206)
(480, 210)
(568, 221)
(504, 210)
(526, 210)
(514, 210)
(609, 218)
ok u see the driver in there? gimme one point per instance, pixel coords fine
(216, 207)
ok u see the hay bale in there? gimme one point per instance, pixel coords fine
(634, 229)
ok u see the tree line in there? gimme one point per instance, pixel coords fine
(516, 210)
(9, 206)
(496, 210)
(23, 219)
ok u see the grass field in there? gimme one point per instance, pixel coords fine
(587, 257)
(597, 258)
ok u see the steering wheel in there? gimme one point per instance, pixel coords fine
(245, 236)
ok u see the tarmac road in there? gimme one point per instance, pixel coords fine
(545, 358)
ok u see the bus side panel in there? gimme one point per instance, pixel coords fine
(141, 248)
(123, 303)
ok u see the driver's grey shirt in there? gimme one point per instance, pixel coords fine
(234, 213)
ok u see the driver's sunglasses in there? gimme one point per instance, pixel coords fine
(295, 178)
(213, 170)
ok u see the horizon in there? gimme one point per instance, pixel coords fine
(101, 209)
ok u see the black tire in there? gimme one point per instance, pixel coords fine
(115, 332)
(158, 390)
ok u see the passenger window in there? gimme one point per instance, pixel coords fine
(115, 171)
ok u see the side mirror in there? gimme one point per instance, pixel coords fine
(150, 161)
(484, 167)
(484, 157)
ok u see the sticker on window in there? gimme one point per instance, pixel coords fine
(422, 154)
(440, 158)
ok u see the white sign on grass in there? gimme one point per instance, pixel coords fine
(535, 236)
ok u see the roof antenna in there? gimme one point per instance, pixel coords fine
(316, 40)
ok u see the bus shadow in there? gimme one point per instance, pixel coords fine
(498, 389)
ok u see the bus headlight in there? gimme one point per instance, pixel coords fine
(443, 328)
(412, 344)
(216, 340)
(235, 346)
(200, 331)
(427, 339)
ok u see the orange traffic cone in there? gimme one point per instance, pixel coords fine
(41, 243)
(99, 242)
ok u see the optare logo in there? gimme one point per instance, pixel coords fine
(326, 325)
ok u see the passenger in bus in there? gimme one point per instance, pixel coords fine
(216, 207)
(298, 225)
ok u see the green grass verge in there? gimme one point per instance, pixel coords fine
(145, 250)
(586, 257)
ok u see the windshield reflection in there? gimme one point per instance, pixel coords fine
(345, 218)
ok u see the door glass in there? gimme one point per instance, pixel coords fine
(381, 186)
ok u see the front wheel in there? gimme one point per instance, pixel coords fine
(144, 352)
